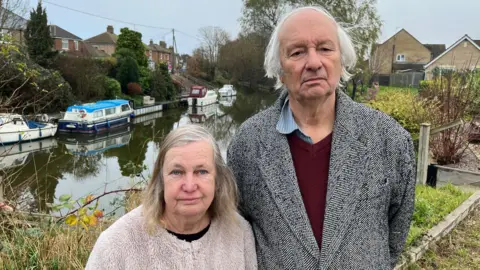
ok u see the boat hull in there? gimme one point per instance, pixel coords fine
(202, 101)
(26, 135)
(66, 126)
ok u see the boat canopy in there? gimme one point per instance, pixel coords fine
(99, 105)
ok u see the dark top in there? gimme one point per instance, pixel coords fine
(191, 237)
(311, 162)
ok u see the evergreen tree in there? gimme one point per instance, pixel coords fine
(127, 72)
(37, 37)
(132, 40)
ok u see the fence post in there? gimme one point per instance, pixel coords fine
(423, 149)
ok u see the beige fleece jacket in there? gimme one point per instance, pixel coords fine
(127, 245)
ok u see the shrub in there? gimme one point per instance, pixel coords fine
(425, 84)
(406, 108)
(456, 92)
(112, 87)
(134, 89)
(127, 72)
(145, 78)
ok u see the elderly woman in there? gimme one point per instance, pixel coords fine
(188, 218)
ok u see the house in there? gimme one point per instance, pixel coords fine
(13, 25)
(463, 54)
(68, 43)
(64, 40)
(158, 53)
(106, 41)
(401, 53)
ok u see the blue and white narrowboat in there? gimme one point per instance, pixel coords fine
(96, 117)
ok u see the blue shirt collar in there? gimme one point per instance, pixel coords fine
(286, 123)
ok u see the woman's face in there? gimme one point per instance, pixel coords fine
(189, 178)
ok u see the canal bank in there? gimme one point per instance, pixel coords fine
(39, 173)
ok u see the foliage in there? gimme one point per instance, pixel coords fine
(127, 72)
(242, 59)
(132, 40)
(112, 87)
(28, 87)
(359, 18)
(37, 37)
(457, 93)
(85, 75)
(405, 107)
(145, 78)
(162, 87)
(425, 84)
(84, 216)
(432, 206)
(134, 89)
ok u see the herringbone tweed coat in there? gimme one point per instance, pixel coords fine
(370, 196)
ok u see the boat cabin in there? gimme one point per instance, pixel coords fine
(198, 91)
(97, 111)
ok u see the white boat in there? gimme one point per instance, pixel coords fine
(15, 155)
(15, 128)
(227, 91)
(201, 96)
(96, 117)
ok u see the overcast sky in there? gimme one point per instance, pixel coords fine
(430, 21)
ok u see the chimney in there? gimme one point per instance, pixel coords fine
(110, 29)
(163, 44)
(151, 42)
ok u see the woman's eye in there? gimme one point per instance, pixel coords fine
(202, 172)
(176, 172)
(296, 53)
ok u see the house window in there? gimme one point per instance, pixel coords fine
(400, 58)
(76, 45)
(64, 44)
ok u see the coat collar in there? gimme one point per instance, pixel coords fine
(348, 160)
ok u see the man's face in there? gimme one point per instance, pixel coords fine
(310, 55)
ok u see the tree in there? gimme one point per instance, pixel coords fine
(213, 38)
(132, 40)
(127, 72)
(358, 17)
(38, 39)
(242, 59)
(11, 12)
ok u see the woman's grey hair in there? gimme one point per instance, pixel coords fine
(224, 204)
(272, 63)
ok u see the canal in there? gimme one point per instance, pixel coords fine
(36, 174)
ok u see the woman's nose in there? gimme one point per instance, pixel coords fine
(189, 184)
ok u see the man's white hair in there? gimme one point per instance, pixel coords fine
(272, 63)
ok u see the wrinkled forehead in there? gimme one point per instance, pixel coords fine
(307, 24)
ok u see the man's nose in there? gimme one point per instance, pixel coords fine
(314, 60)
(189, 183)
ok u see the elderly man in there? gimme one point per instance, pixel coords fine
(326, 183)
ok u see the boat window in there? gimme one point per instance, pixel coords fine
(125, 107)
(109, 111)
(204, 91)
(98, 114)
(195, 91)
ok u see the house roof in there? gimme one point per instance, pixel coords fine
(103, 38)
(10, 20)
(158, 48)
(58, 32)
(465, 37)
(436, 49)
(93, 52)
(477, 41)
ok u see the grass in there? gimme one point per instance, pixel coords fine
(459, 250)
(432, 206)
(47, 245)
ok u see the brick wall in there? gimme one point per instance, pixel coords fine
(464, 55)
(386, 54)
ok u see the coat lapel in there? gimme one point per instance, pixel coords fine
(276, 165)
(348, 163)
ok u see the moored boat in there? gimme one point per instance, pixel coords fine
(201, 96)
(227, 91)
(96, 117)
(16, 128)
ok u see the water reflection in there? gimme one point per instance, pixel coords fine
(38, 172)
